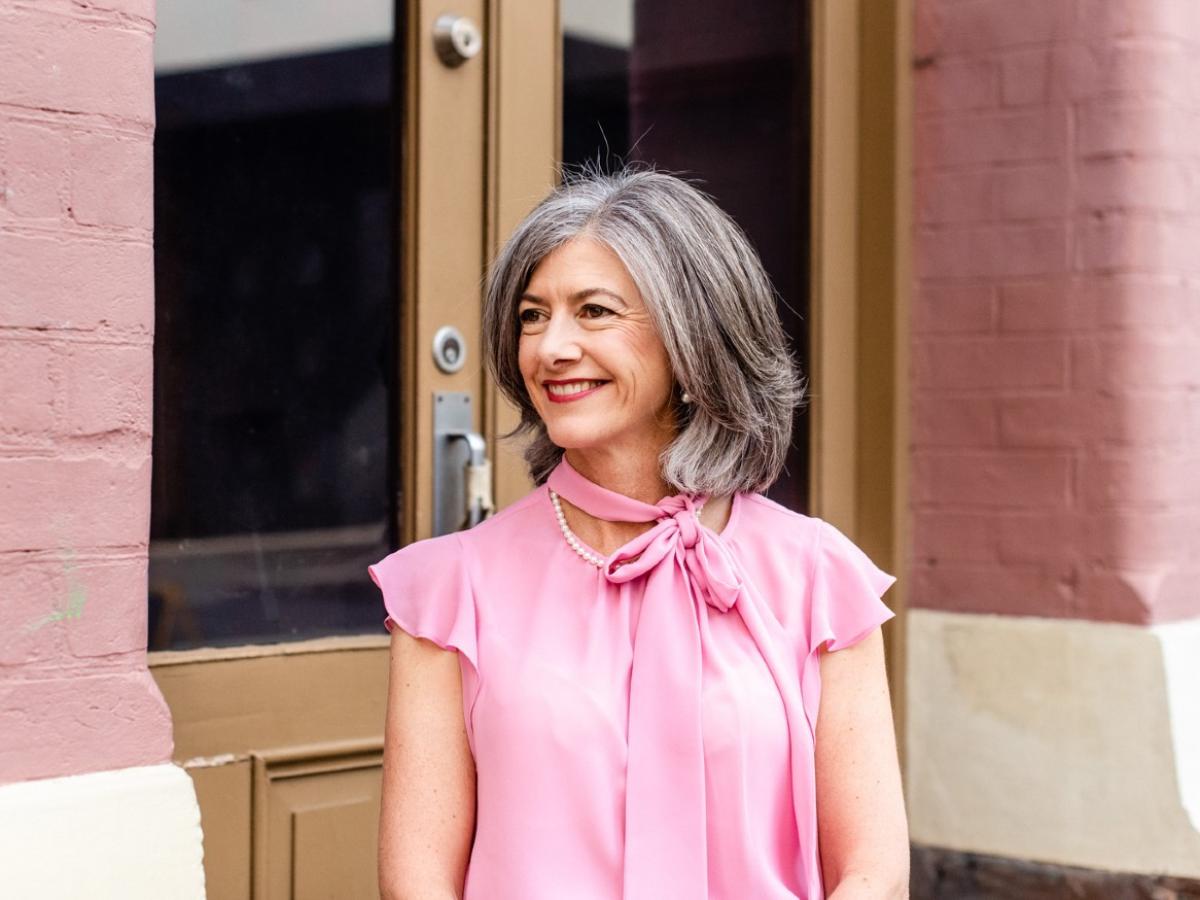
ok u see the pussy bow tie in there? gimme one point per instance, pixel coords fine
(681, 563)
(679, 534)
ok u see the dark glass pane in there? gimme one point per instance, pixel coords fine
(718, 92)
(274, 370)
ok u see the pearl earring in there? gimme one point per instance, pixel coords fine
(686, 397)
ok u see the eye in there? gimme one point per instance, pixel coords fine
(527, 316)
(601, 310)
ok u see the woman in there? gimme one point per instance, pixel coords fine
(640, 643)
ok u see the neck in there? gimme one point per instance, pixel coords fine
(632, 473)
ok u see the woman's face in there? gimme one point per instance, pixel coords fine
(595, 369)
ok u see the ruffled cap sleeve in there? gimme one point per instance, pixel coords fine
(846, 587)
(427, 593)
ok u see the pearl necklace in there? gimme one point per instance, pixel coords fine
(575, 543)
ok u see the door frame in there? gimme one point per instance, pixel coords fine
(860, 288)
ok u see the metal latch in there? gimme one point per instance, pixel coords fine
(462, 473)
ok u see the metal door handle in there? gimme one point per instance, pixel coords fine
(462, 473)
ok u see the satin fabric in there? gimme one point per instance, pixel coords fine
(645, 729)
(683, 563)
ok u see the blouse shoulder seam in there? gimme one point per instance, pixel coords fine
(768, 503)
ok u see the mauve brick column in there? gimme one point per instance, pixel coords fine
(1056, 438)
(76, 332)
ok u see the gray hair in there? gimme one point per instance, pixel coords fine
(710, 302)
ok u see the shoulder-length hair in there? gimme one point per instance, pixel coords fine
(710, 302)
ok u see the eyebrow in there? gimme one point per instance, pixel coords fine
(583, 294)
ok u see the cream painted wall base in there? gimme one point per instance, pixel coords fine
(128, 834)
(1059, 741)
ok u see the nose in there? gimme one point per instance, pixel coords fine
(559, 341)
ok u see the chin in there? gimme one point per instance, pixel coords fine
(577, 438)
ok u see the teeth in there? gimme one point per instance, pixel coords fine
(565, 390)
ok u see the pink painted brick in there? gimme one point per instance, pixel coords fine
(954, 308)
(61, 63)
(992, 480)
(1032, 192)
(1134, 184)
(1051, 74)
(1097, 141)
(1025, 77)
(1121, 595)
(27, 388)
(1131, 481)
(31, 590)
(1139, 539)
(960, 537)
(954, 197)
(1054, 420)
(988, 25)
(1136, 301)
(1045, 305)
(107, 388)
(1025, 250)
(1114, 125)
(942, 421)
(997, 251)
(994, 589)
(70, 504)
(1049, 536)
(1141, 67)
(927, 33)
(989, 363)
(68, 724)
(1108, 19)
(1192, 169)
(1137, 242)
(1154, 420)
(112, 180)
(111, 601)
(54, 282)
(1175, 600)
(1001, 137)
(34, 159)
(1148, 361)
(945, 253)
(1134, 362)
(137, 9)
(956, 85)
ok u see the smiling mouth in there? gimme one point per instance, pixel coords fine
(573, 389)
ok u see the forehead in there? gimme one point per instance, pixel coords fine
(581, 263)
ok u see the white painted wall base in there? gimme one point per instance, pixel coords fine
(132, 834)
(1060, 741)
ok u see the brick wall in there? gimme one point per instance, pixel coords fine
(1056, 411)
(76, 333)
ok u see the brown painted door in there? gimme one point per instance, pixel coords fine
(327, 190)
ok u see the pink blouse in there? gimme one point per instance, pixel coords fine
(669, 697)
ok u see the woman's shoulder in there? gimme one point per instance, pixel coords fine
(522, 519)
(762, 519)
(795, 537)
(817, 577)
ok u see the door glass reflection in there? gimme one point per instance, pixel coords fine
(717, 92)
(274, 481)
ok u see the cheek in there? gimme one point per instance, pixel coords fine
(525, 357)
(656, 368)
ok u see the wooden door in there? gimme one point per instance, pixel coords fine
(328, 189)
